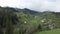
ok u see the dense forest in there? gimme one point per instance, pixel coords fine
(26, 21)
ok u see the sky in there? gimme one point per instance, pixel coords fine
(38, 5)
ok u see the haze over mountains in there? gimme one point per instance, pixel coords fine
(29, 9)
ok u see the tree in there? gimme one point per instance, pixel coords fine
(8, 19)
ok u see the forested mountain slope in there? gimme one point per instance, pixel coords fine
(30, 21)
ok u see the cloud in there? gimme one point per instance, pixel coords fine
(38, 5)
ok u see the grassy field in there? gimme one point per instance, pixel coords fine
(55, 31)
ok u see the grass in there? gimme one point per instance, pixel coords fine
(54, 31)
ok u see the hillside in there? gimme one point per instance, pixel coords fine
(26, 21)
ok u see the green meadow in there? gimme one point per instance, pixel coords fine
(54, 31)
